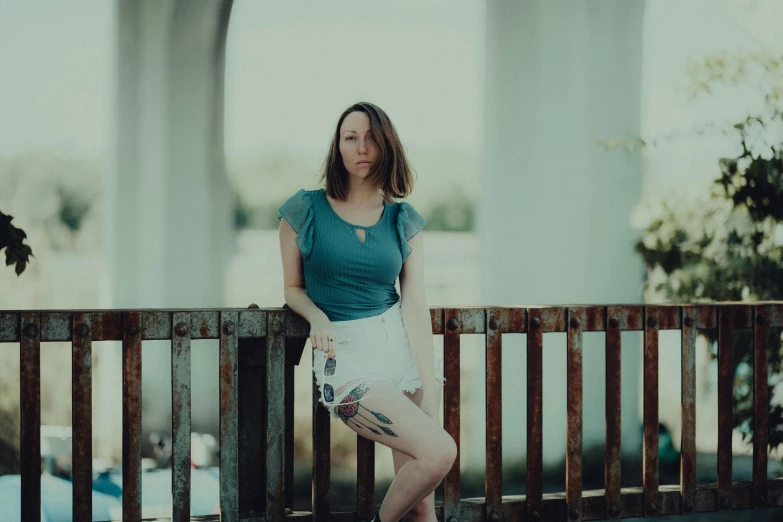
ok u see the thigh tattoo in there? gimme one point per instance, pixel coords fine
(350, 410)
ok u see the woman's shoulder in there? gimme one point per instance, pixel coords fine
(407, 213)
(409, 223)
(297, 209)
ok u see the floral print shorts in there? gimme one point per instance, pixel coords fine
(370, 349)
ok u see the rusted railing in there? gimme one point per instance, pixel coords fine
(260, 347)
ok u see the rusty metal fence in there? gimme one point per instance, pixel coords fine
(260, 347)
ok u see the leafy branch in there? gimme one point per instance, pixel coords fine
(12, 239)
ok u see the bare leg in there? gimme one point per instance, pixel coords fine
(424, 511)
(385, 415)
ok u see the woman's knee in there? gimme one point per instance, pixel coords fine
(422, 509)
(442, 457)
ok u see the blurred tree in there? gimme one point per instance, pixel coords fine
(728, 245)
(12, 240)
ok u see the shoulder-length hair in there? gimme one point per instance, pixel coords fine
(391, 173)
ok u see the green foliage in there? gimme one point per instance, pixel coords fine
(454, 214)
(72, 208)
(243, 213)
(728, 245)
(12, 239)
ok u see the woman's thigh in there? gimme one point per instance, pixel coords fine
(385, 415)
(399, 458)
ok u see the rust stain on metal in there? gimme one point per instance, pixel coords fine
(554, 319)
(612, 475)
(534, 413)
(180, 416)
(632, 318)
(131, 417)
(451, 421)
(30, 409)
(705, 316)
(494, 414)
(669, 317)
(107, 326)
(688, 409)
(513, 320)
(229, 417)
(436, 317)
(650, 457)
(595, 318)
(725, 405)
(82, 416)
(576, 318)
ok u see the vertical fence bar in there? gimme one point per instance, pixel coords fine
(576, 318)
(535, 337)
(180, 416)
(760, 406)
(725, 406)
(131, 416)
(451, 420)
(81, 406)
(650, 458)
(321, 459)
(612, 467)
(289, 422)
(365, 478)
(30, 411)
(252, 425)
(276, 439)
(688, 410)
(229, 417)
(494, 416)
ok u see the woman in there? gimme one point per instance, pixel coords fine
(343, 248)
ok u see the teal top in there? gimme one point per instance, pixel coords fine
(345, 277)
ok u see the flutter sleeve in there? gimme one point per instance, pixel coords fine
(298, 211)
(409, 223)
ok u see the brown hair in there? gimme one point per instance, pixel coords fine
(390, 173)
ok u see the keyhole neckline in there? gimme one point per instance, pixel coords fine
(380, 220)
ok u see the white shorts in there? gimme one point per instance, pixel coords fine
(370, 349)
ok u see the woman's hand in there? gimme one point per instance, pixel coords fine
(322, 336)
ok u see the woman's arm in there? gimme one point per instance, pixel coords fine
(417, 321)
(293, 277)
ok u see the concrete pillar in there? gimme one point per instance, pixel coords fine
(554, 213)
(169, 209)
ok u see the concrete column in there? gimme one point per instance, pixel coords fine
(169, 207)
(554, 213)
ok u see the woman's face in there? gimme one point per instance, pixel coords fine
(357, 145)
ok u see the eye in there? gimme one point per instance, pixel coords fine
(349, 138)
